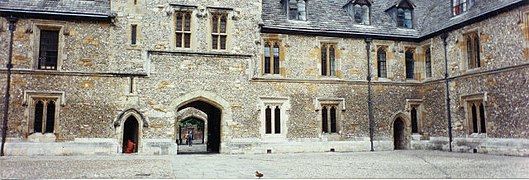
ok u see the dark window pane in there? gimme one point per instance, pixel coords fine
(50, 117)
(324, 125)
(332, 61)
(414, 125)
(277, 120)
(215, 43)
(400, 17)
(408, 19)
(187, 22)
(48, 49)
(482, 117)
(178, 39)
(222, 42)
(215, 22)
(324, 60)
(187, 40)
(276, 59)
(428, 62)
(469, 52)
(39, 110)
(382, 63)
(476, 50)
(409, 65)
(267, 59)
(223, 24)
(333, 120)
(268, 120)
(133, 34)
(474, 119)
(358, 13)
(179, 22)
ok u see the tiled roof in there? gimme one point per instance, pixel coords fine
(323, 16)
(79, 7)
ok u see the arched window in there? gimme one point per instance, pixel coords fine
(409, 64)
(277, 120)
(267, 58)
(328, 60)
(414, 123)
(268, 120)
(333, 119)
(381, 58)
(473, 50)
(428, 63)
(39, 111)
(324, 120)
(276, 58)
(44, 116)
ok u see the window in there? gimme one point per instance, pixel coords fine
(183, 30)
(273, 122)
(218, 34)
(414, 123)
(476, 116)
(328, 119)
(328, 61)
(296, 9)
(48, 49)
(133, 34)
(360, 11)
(428, 62)
(274, 116)
(409, 64)
(460, 6)
(271, 57)
(381, 58)
(404, 18)
(44, 115)
(472, 40)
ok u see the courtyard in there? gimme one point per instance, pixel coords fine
(379, 164)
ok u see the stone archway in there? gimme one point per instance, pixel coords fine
(219, 115)
(399, 135)
(130, 135)
(184, 117)
(401, 130)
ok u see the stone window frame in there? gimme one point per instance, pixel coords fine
(414, 66)
(419, 108)
(355, 6)
(466, 102)
(299, 16)
(61, 28)
(273, 43)
(133, 34)
(188, 10)
(472, 61)
(385, 49)
(138, 35)
(339, 103)
(182, 31)
(284, 105)
(330, 73)
(29, 100)
(228, 15)
(460, 6)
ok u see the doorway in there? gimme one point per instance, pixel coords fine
(399, 135)
(213, 121)
(130, 135)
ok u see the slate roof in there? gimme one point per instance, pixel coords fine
(81, 8)
(329, 16)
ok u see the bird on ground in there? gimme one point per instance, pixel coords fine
(258, 174)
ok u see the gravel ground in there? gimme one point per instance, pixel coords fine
(385, 164)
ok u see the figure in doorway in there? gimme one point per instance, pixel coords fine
(130, 146)
(190, 138)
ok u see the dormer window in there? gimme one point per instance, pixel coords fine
(402, 13)
(404, 18)
(295, 9)
(460, 6)
(359, 10)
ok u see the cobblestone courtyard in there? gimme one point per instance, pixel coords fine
(388, 164)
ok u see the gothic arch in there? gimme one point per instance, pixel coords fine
(405, 132)
(130, 112)
(119, 125)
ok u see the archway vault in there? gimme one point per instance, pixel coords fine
(405, 132)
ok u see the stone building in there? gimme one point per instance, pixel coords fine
(265, 76)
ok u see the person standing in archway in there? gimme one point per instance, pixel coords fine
(190, 138)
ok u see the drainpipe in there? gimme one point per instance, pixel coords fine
(12, 20)
(444, 36)
(369, 99)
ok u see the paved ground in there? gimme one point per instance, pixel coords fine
(389, 164)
